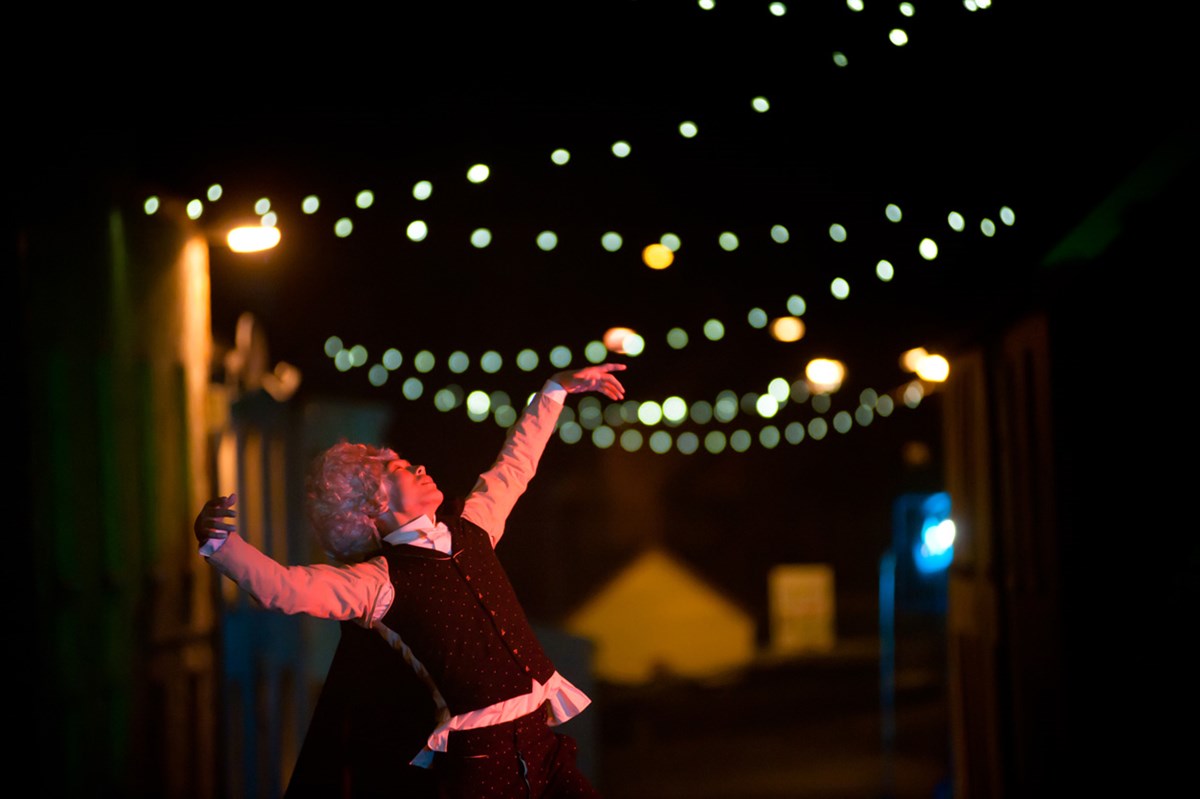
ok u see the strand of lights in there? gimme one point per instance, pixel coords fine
(625, 424)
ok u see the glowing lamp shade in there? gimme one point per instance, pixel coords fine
(253, 238)
(657, 256)
(825, 375)
(933, 369)
(618, 339)
(787, 328)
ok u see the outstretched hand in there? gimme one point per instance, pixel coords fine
(593, 378)
(209, 523)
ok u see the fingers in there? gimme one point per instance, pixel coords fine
(599, 378)
(209, 522)
(611, 387)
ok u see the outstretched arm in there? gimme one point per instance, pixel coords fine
(347, 592)
(499, 488)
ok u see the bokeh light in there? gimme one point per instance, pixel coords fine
(621, 149)
(817, 428)
(547, 240)
(560, 156)
(310, 204)
(674, 410)
(933, 369)
(481, 237)
(365, 198)
(413, 388)
(649, 413)
(595, 352)
(560, 356)
(491, 362)
(657, 256)
(570, 432)
(714, 330)
(787, 329)
(252, 238)
(417, 230)
(422, 189)
(825, 375)
(603, 437)
(928, 249)
(478, 173)
(527, 360)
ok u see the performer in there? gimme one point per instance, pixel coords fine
(444, 616)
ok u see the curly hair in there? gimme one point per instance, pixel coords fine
(346, 492)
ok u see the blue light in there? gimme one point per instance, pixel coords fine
(933, 549)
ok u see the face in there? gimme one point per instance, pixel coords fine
(411, 492)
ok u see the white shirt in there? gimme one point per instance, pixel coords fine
(363, 592)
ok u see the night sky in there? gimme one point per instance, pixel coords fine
(1009, 106)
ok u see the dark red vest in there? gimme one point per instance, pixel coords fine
(461, 618)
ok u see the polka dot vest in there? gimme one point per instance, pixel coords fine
(461, 618)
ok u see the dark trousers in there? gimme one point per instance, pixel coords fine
(522, 759)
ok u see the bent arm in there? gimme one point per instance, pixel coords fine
(360, 592)
(499, 488)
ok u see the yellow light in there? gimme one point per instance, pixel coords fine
(787, 328)
(825, 375)
(934, 369)
(657, 256)
(911, 359)
(253, 238)
(616, 339)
